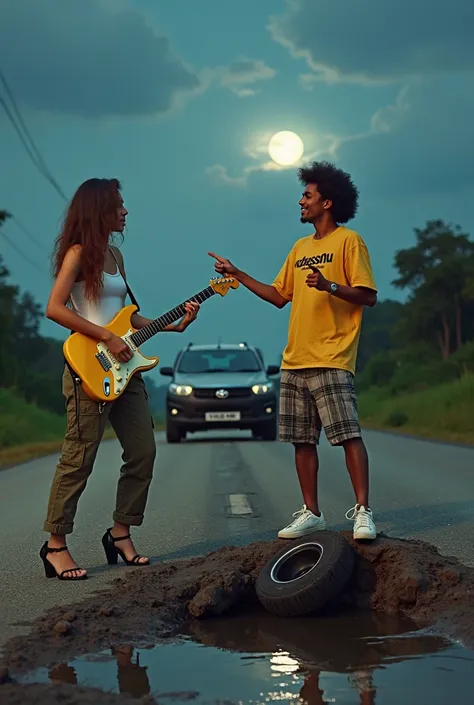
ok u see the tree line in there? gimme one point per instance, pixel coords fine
(426, 340)
(429, 339)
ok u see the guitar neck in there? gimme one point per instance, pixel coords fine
(159, 324)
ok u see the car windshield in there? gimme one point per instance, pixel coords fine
(196, 361)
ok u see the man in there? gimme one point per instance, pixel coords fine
(328, 279)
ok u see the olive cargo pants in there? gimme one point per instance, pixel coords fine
(131, 420)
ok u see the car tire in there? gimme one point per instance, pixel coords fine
(304, 576)
(266, 432)
(173, 434)
(270, 432)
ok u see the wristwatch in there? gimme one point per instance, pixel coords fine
(332, 288)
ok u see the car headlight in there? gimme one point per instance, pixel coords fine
(182, 390)
(262, 388)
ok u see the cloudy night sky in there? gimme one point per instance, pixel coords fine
(179, 99)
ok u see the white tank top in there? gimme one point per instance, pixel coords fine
(110, 302)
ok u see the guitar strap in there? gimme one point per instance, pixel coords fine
(122, 272)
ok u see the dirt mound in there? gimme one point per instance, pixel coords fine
(408, 577)
(144, 606)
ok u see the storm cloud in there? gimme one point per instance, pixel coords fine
(379, 41)
(87, 59)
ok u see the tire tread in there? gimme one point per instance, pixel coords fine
(312, 597)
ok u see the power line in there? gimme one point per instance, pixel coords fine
(27, 140)
(41, 162)
(27, 232)
(20, 252)
(17, 129)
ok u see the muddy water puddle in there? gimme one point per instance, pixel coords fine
(355, 659)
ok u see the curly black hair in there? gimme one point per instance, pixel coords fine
(335, 185)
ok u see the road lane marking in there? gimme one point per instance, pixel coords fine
(239, 504)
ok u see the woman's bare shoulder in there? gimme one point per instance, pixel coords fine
(72, 259)
(74, 251)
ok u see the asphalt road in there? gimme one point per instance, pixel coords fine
(215, 490)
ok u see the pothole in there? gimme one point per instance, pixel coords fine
(252, 659)
(129, 639)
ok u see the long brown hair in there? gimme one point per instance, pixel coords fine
(89, 221)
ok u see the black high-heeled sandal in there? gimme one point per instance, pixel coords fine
(112, 552)
(49, 569)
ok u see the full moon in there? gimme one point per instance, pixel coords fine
(286, 148)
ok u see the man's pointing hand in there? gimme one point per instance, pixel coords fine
(223, 266)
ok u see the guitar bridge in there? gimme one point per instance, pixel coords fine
(102, 358)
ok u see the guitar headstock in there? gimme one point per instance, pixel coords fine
(221, 285)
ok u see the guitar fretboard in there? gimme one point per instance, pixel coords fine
(144, 334)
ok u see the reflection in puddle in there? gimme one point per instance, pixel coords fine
(356, 659)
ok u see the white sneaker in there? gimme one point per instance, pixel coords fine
(364, 527)
(305, 523)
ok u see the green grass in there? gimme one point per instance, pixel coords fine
(444, 412)
(21, 422)
(26, 431)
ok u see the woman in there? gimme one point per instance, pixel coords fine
(89, 289)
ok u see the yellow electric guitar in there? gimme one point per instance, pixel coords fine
(103, 377)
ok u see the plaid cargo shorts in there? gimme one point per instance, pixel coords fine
(312, 399)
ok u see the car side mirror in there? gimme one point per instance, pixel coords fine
(166, 371)
(273, 370)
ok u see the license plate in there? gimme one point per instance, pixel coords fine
(222, 416)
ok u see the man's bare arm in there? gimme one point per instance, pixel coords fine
(358, 295)
(263, 291)
(267, 292)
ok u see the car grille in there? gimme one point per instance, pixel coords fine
(234, 392)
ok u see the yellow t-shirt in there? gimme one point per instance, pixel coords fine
(323, 329)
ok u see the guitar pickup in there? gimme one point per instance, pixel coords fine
(102, 358)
